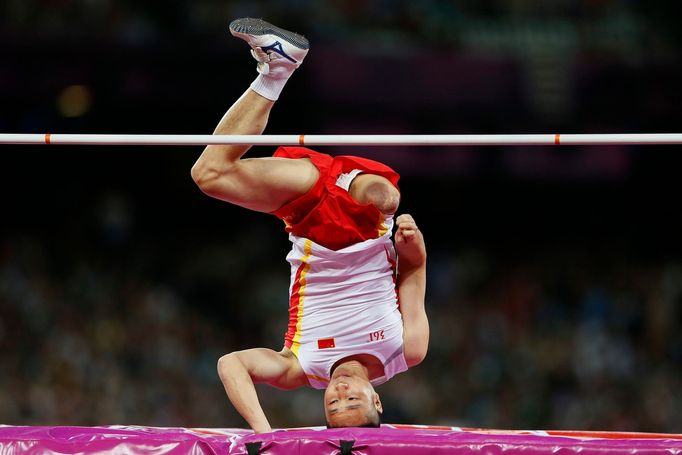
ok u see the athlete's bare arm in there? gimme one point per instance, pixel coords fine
(261, 184)
(409, 243)
(239, 371)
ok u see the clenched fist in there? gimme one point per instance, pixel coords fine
(409, 241)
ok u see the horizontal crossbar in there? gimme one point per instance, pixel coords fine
(343, 140)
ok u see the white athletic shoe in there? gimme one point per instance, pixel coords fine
(278, 52)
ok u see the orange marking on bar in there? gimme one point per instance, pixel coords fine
(47, 138)
(301, 139)
(557, 139)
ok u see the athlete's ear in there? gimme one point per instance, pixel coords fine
(377, 403)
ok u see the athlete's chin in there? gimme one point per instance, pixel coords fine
(341, 374)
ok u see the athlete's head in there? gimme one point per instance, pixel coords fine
(350, 399)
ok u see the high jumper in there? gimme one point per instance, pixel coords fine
(348, 330)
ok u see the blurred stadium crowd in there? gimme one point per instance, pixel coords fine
(389, 23)
(570, 340)
(555, 279)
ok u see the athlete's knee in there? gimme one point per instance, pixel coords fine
(382, 195)
(387, 199)
(204, 172)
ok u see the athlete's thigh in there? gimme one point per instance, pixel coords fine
(266, 184)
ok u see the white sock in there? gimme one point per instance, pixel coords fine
(268, 87)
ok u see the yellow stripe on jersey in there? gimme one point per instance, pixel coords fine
(381, 225)
(317, 378)
(308, 251)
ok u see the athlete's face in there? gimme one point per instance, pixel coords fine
(350, 399)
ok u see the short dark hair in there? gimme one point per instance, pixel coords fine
(373, 421)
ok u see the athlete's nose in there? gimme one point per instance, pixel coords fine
(341, 386)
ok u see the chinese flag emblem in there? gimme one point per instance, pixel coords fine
(325, 343)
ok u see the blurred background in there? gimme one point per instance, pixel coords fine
(555, 274)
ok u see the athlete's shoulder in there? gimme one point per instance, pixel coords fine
(294, 377)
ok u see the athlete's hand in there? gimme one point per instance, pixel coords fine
(409, 241)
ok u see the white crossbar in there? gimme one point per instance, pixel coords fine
(340, 139)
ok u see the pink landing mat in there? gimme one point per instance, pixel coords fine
(389, 439)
